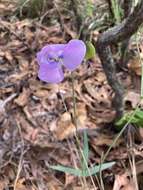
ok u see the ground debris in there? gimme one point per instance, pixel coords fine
(36, 119)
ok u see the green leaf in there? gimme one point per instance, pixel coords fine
(137, 119)
(139, 114)
(85, 151)
(121, 121)
(75, 172)
(82, 173)
(98, 168)
(90, 50)
(117, 11)
(86, 147)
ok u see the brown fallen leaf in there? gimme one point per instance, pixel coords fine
(6, 8)
(81, 188)
(135, 65)
(99, 93)
(102, 116)
(81, 114)
(69, 179)
(20, 185)
(122, 182)
(18, 76)
(133, 98)
(23, 63)
(65, 126)
(141, 132)
(23, 97)
(8, 56)
(107, 140)
(53, 185)
(4, 183)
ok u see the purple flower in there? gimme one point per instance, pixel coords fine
(51, 58)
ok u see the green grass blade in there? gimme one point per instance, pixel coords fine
(80, 173)
(116, 11)
(86, 147)
(98, 168)
(75, 172)
(85, 152)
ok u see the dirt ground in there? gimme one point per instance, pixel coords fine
(35, 129)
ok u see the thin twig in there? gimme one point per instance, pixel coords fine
(4, 102)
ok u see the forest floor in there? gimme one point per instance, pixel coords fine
(35, 129)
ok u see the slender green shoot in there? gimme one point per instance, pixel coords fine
(116, 11)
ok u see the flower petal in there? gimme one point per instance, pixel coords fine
(49, 50)
(73, 54)
(51, 73)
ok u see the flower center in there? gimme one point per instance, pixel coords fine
(55, 57)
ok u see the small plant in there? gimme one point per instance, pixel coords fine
(84, 171)
(137, 119)
(51, 60)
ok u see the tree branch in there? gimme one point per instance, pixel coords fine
(127, 7)
(115, 35)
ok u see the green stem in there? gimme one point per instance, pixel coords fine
(76, 136)
(74, 102)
